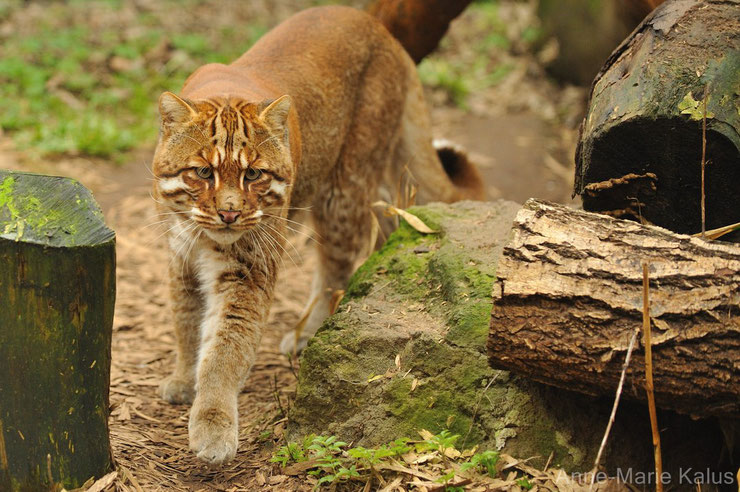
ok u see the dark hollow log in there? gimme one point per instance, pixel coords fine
(640, 148)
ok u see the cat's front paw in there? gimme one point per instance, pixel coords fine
(175, 389)
(288, 344)
(214, 435)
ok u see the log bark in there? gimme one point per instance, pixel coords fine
(57, 290)
(417, 24)
(640, 146)
(568, 298)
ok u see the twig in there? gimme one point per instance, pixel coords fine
(475, 410)
(3, 453)
(276, 395)
(647, 342)
(616, 404)
(704, 162)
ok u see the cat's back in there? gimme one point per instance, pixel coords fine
(328, 36)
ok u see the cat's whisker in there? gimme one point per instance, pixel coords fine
(278, 209)
(298, 231)
(275, 242)
(164, 216)
(193, 139)
(188, 227)
(152, 241)
(268, 139)
(155, 200)
(288, 242)
(189, 240)
(261, 248)
(152, 224)
(266, 214)
(149, 170)
(276, 255)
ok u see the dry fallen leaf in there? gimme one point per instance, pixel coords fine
(412, 219)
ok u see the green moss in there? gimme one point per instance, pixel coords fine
(427, 407)
(724, 76)
(450, 383)
(395, 262)
(469, 324)
(40, 209)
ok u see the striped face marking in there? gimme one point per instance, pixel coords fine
(244, 169)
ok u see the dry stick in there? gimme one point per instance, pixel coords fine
(616, 404)
(704, 162)
(646, 340)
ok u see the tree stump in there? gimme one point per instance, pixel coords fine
(640, 149)
(417, 24)
(57, 290)
(569, 297)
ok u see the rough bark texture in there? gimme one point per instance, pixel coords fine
(643, 120)
(568, 299)
(57, 290)
(417, 24)
(407, 351)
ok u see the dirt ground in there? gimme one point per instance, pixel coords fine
(521, 154)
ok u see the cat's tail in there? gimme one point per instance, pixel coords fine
(441, 170)
(461, 171)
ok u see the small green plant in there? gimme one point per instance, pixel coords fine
(332, 461)
(290, 453)
(441, 442)
(525, 483)
(485, 462)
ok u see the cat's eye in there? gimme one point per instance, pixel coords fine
(251, 174)
(204, 172)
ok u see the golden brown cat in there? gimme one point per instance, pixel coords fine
(321, 112)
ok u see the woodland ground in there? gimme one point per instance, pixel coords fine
(487, 91)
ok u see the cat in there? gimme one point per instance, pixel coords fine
(322, 112)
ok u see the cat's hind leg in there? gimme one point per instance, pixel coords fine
(342, 209)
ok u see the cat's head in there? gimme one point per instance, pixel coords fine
(223, 165)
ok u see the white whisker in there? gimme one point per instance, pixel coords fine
(281, 246)
(309, 236)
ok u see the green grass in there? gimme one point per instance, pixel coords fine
(73, 86)
(83, 77)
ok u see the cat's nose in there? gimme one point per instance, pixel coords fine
(228, 216)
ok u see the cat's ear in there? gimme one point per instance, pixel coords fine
(174, 110)
(275, 114)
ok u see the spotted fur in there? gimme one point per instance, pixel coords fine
(322, 112)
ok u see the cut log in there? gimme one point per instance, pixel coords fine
(417, 24)
(569, 297)
(640, 149)
(57, 290)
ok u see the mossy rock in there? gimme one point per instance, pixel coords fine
(425, 301)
